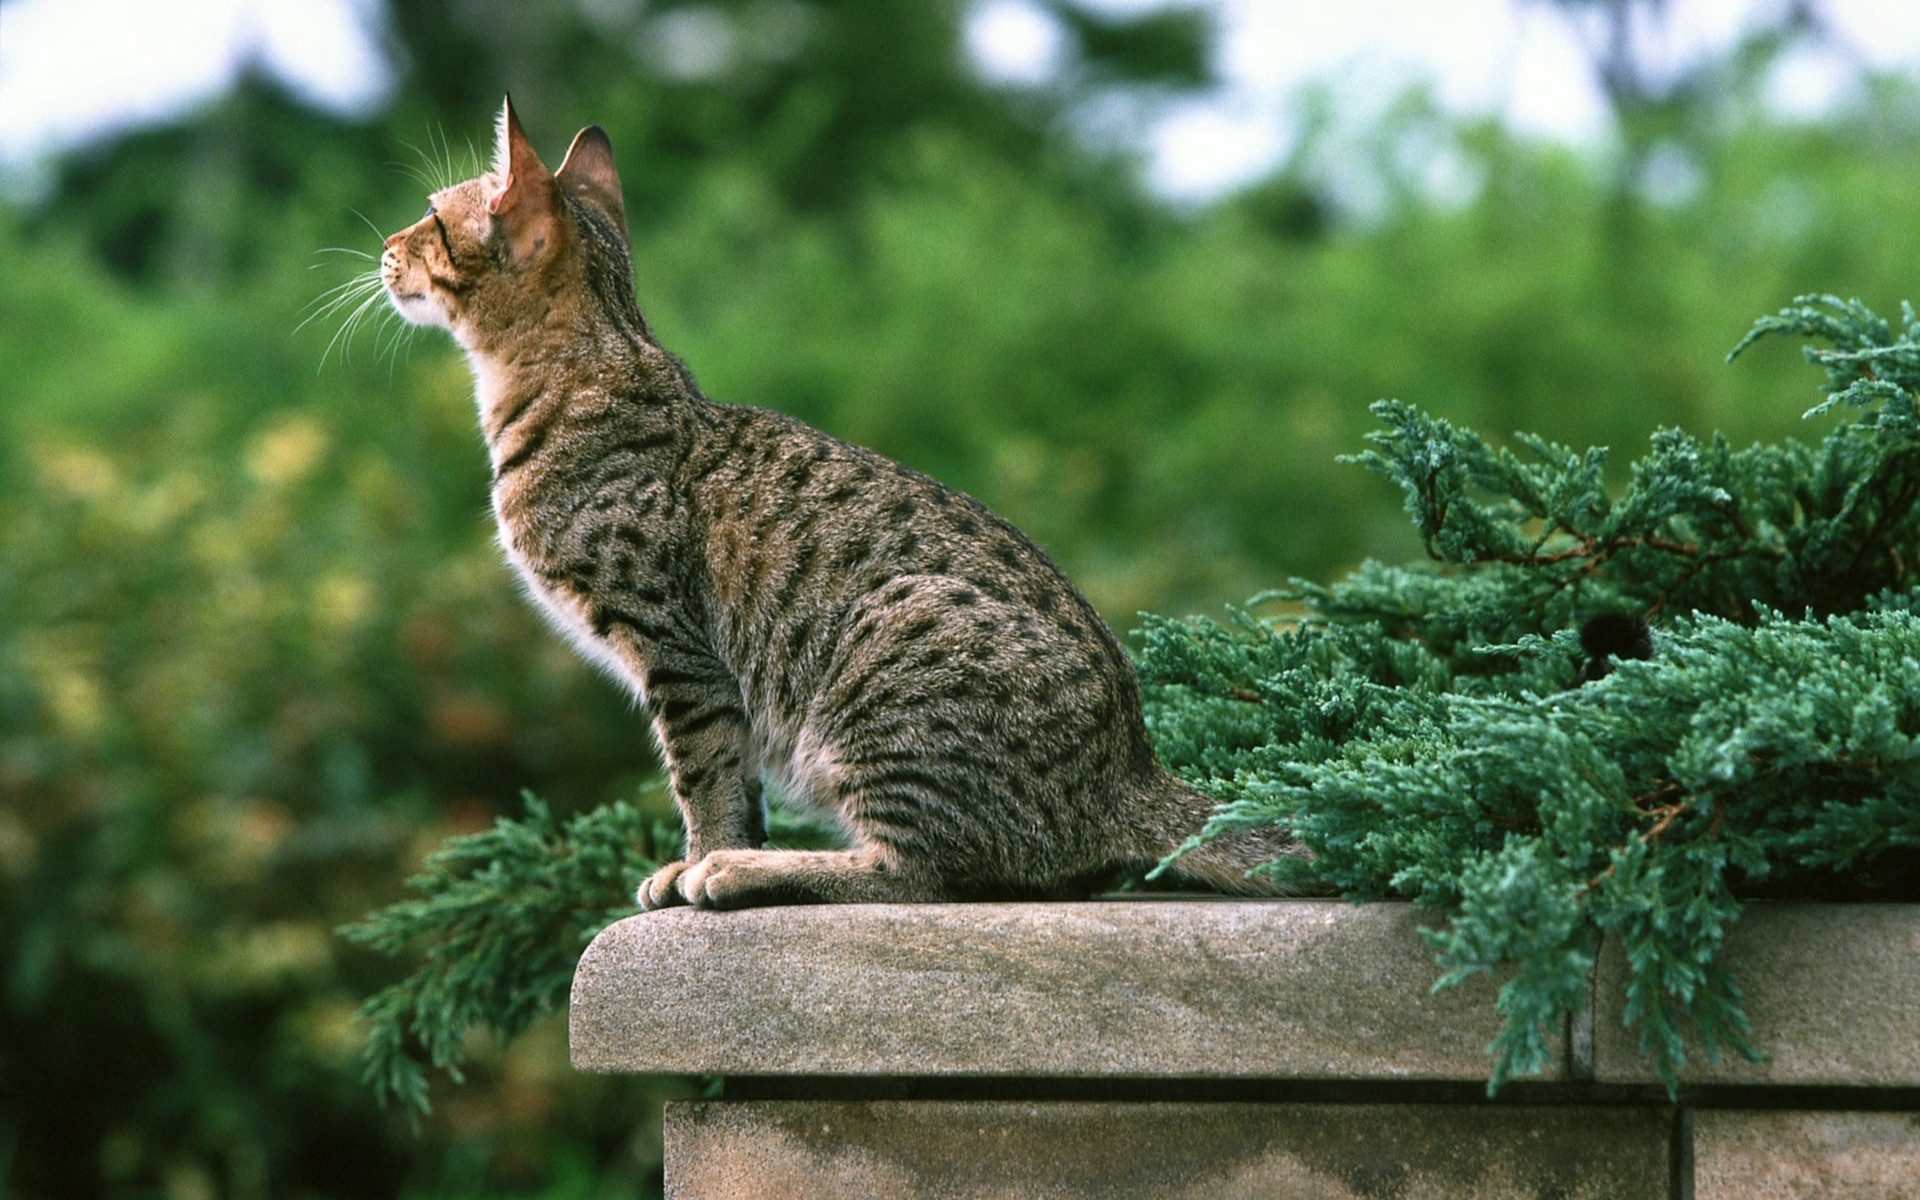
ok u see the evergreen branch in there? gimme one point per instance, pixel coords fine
(501, 921)
(499, 925)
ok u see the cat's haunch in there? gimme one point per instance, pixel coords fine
(785, 604)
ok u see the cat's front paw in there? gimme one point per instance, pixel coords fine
(662, 888)
(730, 878)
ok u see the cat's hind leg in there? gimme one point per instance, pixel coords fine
(745, 878)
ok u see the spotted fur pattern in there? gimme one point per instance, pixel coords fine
(786, 604)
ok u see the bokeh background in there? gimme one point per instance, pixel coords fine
(1128, 271)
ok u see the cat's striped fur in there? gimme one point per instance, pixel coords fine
(782, 601)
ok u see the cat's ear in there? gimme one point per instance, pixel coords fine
(520, 194)
(588, 173)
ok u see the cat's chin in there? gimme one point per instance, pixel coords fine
(418, 308)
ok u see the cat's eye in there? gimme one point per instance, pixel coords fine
(428, 213)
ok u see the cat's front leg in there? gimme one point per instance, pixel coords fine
(867, 874)
(705, 742)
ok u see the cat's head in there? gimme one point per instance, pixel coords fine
(519, 249)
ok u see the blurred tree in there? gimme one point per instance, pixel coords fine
(1162, 49)
(1657, 100)
(819, 98)
(201, 200)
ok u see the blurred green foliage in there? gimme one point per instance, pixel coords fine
(258, 656)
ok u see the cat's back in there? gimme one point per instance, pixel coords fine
(825, 559)
(794, 515)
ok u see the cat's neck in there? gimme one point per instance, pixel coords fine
(509, 381)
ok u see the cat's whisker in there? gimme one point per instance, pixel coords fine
(400, 335)
(351, 330)
(384, 327)
(343, 337)
(370, 225)
(446, 154)
(414, 173)
(331, 300)
(368, 255)
(360, 281)
(357, 278)
(357, 303)
(336, 290)
(428, 172)
(330, 306)
(364, 281)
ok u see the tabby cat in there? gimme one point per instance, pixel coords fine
(783, 602)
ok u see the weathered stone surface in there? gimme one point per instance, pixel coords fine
(1832, 990)
(1149, 988)
(1806, 1155)
(996, 1150)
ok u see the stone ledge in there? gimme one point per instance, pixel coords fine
(1272, 989)
(1206, 1048)
(1832, 991)
(1226, 989)
(989, 1150)
(1806, 1155)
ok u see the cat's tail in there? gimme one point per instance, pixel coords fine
(1223, 862)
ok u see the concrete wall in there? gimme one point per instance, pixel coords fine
(1227, 1048)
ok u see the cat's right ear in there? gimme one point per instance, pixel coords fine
(520, 197)
(588, 173)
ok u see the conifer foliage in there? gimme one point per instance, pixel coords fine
(1592, 715)
(501, 921)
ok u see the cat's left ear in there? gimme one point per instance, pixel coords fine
(588, 173)
(521, 194)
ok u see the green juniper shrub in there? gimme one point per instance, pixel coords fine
(1594, 716)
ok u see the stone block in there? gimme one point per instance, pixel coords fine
(1806, 1155)
(999, 1150)
(1138, 988)
(1832, 991)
